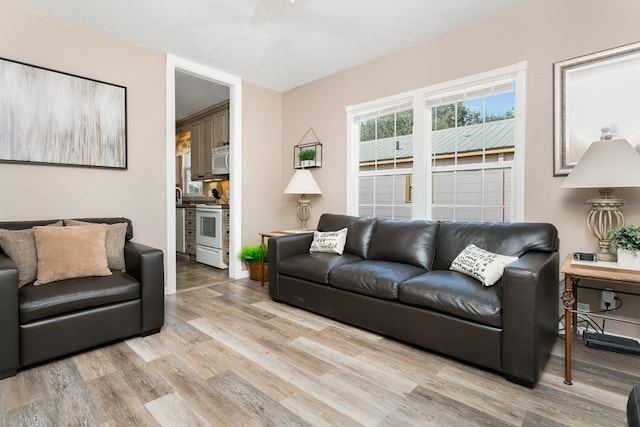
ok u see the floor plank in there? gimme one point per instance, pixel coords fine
(172, 410)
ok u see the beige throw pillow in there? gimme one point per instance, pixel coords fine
(20, 246)
(485, 266)
(329, 241)
(116, 234)
(69, 252)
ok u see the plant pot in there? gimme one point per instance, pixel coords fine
(307, 163)
(628, 258)
(257, 273)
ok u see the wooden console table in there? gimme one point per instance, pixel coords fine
(573, 273)
(267, 234)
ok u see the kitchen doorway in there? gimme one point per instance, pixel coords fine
(177, 69)
(194, 97)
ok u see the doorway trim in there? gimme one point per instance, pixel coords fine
(235, 176)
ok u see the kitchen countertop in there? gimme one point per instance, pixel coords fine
(193, 205)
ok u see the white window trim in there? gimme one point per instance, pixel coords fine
(386, 172)
(421, 205)
(474, 166)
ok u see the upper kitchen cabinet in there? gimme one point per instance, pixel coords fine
(221, 128)
(197, 151)
(201, 146)
(209, 129)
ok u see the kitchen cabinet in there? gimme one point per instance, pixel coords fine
(201, 146)
(225, 235)
(196, 147)
(209, 129)
(190, 230)
(180, 229)
(179, 182)
(221, 128)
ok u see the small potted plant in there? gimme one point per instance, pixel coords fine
(307, 158)
(626, 240)
(254, 257)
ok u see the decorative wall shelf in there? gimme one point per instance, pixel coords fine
(307, 155)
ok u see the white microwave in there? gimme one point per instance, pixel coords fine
(220, 164)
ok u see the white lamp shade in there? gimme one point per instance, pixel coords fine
(302, 182)
(606, 164)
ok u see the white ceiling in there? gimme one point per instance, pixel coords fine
(278, 44)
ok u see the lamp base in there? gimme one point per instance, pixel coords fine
(604, 216)
(303, 212)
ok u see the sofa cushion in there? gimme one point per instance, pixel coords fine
(331, 242)
(359, 231)
(482, 265)
(68, 252)
(407, 242)
(40, 302)
(333, 222)
(359, 235)
(375, 278)
(20, 246)
(512, 239)
(116, 234)
(314, 267)
(456, 294)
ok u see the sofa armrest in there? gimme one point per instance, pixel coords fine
(146, 264)
(633, 407)
(9, 318)
(530, 310)
(281, 248)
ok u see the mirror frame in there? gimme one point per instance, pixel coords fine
(601, 69)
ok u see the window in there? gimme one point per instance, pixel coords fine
(385, 162)
(472, 143)
(452, 151)
(183, 150)
(192, 187)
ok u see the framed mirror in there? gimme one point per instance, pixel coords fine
(591, 92)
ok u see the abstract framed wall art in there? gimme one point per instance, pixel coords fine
(55, 118)
(592, 92)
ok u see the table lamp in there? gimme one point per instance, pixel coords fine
(607, 164)
(303, 183)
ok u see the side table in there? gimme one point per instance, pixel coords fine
(268, 234)
(599, 272)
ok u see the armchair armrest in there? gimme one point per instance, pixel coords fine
(146, 264)
(281, 248)
(9, 318)
(530, 313)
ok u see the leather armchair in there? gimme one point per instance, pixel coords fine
(38, 323)
(9, 350)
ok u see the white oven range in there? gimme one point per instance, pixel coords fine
(209, 236)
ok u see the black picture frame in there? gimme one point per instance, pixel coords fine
(50, 117)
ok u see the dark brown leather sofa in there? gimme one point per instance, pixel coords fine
(38, 323)
(633, 407)
(394, 279)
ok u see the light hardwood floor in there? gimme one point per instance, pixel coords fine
(229, 356)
